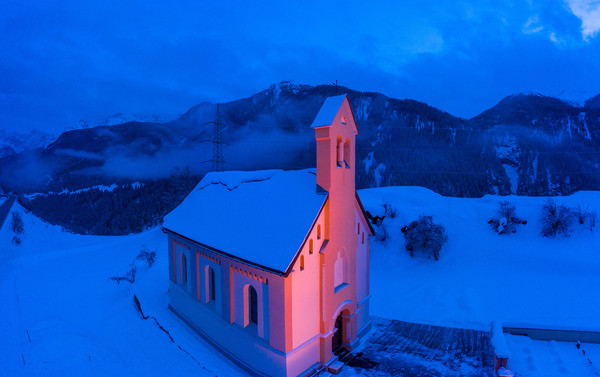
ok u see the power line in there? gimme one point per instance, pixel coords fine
(217, 141)
(218, 159)
(420, 128)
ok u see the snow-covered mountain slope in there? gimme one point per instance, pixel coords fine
(63, 316)
(405, 141)
(15, 142)
(120, 118)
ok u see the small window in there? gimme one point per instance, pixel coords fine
(338, 151)
(343, 119)
(301, 262)
(183, 269)
(253, 305)
(310, 246)
(210, 286)
(319, 231)
(358, 229)
(363, 237)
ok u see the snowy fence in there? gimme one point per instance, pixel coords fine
(559, 335)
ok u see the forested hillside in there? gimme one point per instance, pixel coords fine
(527, 144)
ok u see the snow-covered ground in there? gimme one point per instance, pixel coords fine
(61, 315)
(534, 358)
(519, 279)
(55, 290)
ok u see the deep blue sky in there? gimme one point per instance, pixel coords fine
(65, 61)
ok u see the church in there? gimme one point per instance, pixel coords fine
(272, 267)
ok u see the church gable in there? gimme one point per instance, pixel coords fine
(336, 111)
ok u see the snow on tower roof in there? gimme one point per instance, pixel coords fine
(328, 111)
(260, 217)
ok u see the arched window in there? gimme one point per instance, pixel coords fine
(310, 246)
(183, 269)
(301, 262)
(319, 231)
(210, 286)
(347, 154)
(338, 151)
(211, 281)
(252, 305)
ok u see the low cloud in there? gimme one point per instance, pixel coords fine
(532, 26)
(157, 165)
(588, 11)
(79, 154)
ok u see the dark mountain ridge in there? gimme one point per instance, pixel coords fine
(527, 144)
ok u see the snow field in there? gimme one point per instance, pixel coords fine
(535, 358)
(55, 290)
(520, 279)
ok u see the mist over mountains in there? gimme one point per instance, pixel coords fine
(528, 144)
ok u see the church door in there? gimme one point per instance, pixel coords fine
(336, 340)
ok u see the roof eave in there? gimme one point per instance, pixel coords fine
(221, 252)
(364, 213)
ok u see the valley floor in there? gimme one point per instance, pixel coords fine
(61, 315)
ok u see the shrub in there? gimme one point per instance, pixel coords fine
(375, 220)
(585, 216)
(425, 236)
(592, 220)
(146, 255)
(389, 210)
(556, 219)
(18, 227)
(506, 220)
(381, 234)
(129, 276)
(581, 213)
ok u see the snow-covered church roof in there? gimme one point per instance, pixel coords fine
(328, 111)
(260, 217)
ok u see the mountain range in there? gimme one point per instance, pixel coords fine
(527, 144)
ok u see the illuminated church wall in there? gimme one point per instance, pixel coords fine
(305, 289)
(336, 175)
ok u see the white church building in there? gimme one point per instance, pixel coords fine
(272, 267)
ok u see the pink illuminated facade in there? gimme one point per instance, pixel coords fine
(273, 269)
